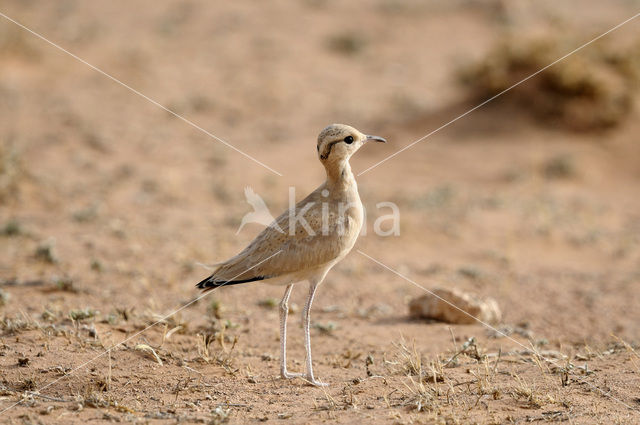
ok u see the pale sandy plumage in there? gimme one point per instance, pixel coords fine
(291, 250)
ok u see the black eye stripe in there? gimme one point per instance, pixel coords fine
(348, 140)
(329, 146)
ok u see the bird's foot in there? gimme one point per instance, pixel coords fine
(289, 375)
(313, 381)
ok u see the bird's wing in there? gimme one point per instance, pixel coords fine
(273, 253)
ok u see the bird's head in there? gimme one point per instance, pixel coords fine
(337, 142)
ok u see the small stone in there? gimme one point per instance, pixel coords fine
(439, 305)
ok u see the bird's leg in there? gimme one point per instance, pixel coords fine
(284, 312)
(306, 319)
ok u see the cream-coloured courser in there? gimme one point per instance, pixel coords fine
(305, 242)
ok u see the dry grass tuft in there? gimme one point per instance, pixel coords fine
(224, 355)
(12, 326)
(216, 308)
(423, 397)
(347, 43)
(559, 167)
(46, 251)
(4, 298)
(83, 314)
(634, 356)
(11, 228)
(532, 396)
(410, 360)
(219, 416)
(461, 385)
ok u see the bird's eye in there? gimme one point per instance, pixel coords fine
(348, 140)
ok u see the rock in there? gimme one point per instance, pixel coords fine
(439, 305)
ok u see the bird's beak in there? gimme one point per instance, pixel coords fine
(376, 139)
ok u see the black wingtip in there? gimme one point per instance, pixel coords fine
(203, 283)
(210, 282)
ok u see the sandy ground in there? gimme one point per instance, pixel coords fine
(111, 204)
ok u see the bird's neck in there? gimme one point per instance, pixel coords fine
(339, 174)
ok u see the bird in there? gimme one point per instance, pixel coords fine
(317, 233)
(260, 213)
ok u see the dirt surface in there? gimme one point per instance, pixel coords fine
(110, 205)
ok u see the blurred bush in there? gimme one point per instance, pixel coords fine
(589, 90)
